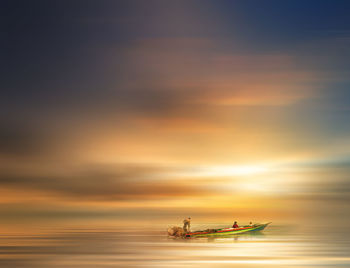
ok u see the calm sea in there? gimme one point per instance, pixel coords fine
(277, 246)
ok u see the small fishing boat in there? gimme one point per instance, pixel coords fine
(227, 231)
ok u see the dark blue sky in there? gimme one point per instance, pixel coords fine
(58, 39)
(69, 54)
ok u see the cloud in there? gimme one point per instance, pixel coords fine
(122, 182)
(211, 73)
(20, 140)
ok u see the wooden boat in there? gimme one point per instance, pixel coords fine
(227, 231)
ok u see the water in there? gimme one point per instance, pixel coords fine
(277, 246)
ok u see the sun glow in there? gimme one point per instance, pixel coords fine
(222, 171)
(226, 171)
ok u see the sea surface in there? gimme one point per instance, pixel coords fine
(277, 246)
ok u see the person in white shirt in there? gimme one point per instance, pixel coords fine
(187, 224)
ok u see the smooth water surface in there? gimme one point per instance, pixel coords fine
(277, 246)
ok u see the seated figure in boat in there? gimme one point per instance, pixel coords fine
(187, 224)
(235, 225)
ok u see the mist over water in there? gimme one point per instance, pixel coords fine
(277, 246)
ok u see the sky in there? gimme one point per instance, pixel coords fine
(152, 111)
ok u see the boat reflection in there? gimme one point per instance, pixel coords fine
(233, 237)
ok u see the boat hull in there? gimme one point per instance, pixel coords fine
(227, 231)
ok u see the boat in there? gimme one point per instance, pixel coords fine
(227, 231)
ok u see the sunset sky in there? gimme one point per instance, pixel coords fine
(160, 110)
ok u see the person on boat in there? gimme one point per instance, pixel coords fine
(250, 224)
(235, 225)
(187, 224)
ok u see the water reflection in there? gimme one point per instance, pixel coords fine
(277, 246)
(237, 237)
